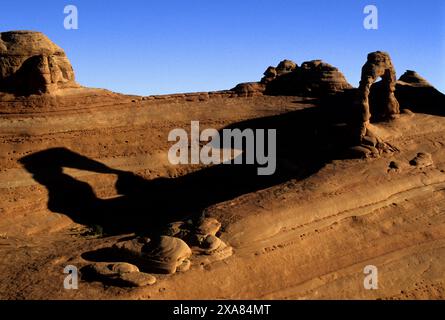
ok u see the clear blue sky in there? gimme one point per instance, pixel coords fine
(155, 47)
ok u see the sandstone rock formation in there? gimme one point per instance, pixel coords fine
(413, 78)
(131, 249)
(422, 159)
(30, 63)
(167, 253)
(209, 244)
(286, 66)
(119, 273)
(416, 94)
(249, 89)
(379, 64)
(313, 78)
(412, 92)
(269, 75)
(164, 254)
(179, 229)
(202, 237)
(319, 77)
(208, 226)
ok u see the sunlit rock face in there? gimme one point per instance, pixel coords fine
(30, 63)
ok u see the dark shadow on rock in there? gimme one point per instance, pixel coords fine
(419, 99)
(102, 255)
(306, 140)
(27, 80)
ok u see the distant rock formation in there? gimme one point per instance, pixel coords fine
(379, 64)
(413, 78)
(249, 89)
(416, 94)
(412, 92)
(30, 63)
(312, 78)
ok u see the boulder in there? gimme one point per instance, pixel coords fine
(119, 274)
(162, 255)
(30, 63)
(165, 254)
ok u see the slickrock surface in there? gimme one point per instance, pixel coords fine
(290, 240)
(306, 232)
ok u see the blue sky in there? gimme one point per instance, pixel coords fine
(156, 47)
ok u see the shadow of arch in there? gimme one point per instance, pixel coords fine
(306, 140)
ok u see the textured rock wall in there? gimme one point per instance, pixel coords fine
(30, 63)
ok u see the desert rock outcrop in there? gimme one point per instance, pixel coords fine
(166, 253)
(249, 89)
(286, 66)
(312, 78)
(413, 78)
(30, 63)
(119, 273)
(202, 237)
(319, 77)
(379, 64)
(162, 255)
(416, 94)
